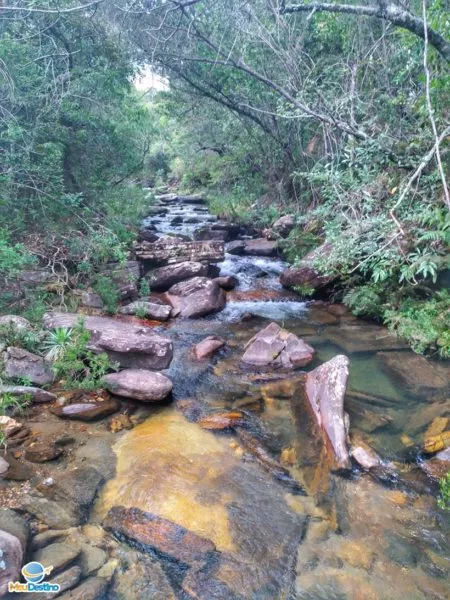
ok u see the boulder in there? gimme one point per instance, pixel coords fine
(22, 391)
(325, 390)
(419, 376)
(24, 364)
(147, 235)
(277, 347)
(87, 411)
(19, 323)
(236, 247)
(207, 347)
(139, 384)
(59, 555)
(169, 251)
(36, 278)
(160, 535)
(162, 278)
(305, 274)
(192, 199)
(156, 312)
(227, 283)
(284, 225)
(11, 559)
(261, 247)
(129, 345)
(197, 297)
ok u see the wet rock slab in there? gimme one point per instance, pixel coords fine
(421, 377)
(325, 389)
(277, 347)
(261, 247)
(129, 345)
(364, 338)
(208, 346)
(172, 251)
(139, 384)
(160, 535)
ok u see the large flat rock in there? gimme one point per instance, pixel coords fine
(364, 338)
(197, 297)
(139, 384)
(130, 345)
(172, 251)
(20, 363)
(162, 278)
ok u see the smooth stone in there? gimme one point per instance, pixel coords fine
(147, 386)
(16, 525)
(93, 588)
(221, 421)
(160, 534)
(11, 560)
(17, 471)
(37, 395)
(21, 363)
(87, 411)
(284, 225)
(66, 580)
(47, 537)
(157, 312)
(325, 389)
(237, 247)
(277, 347)
(42, 451)
(92, 559)
(59, 555)
(364, 455)
(207, 347)
(417, 375)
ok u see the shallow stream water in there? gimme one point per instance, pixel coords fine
(355, 537)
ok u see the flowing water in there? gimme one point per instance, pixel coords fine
(356, 537)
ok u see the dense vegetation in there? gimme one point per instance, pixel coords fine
(339, 118)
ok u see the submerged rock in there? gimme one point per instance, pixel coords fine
(364, 455)
(66, 581)
(20, 363)
(221, 421)
(277, 347)
(208, 346)
(11, 560)
(139, 384)
(157, 312)
(93, 588)
(42, 451)
(419, 376)
(130, 345)
(59, 555)
(325, 389)
(197, 297)
(160, 535)
(163, 278)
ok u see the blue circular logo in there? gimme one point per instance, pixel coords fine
(34, 572)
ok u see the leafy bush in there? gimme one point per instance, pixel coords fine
(425, 324)
(11, 335)
(78, 367)
(444, 496)
(108, 292)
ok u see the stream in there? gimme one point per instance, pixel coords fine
(359, 536)
(356, 537)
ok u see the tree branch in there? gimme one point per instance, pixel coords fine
(43, 9)
(391, 12)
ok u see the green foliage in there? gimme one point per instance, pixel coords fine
(425, 324)
(444, 489)
(364, 301)
(144, 287)
(304, 291)
(11, 335)
(141, 312)
(108, 291)
(56, 343)
(78, 367)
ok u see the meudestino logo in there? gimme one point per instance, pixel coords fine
(34, 573)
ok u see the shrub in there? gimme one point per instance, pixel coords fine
(444, 496)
